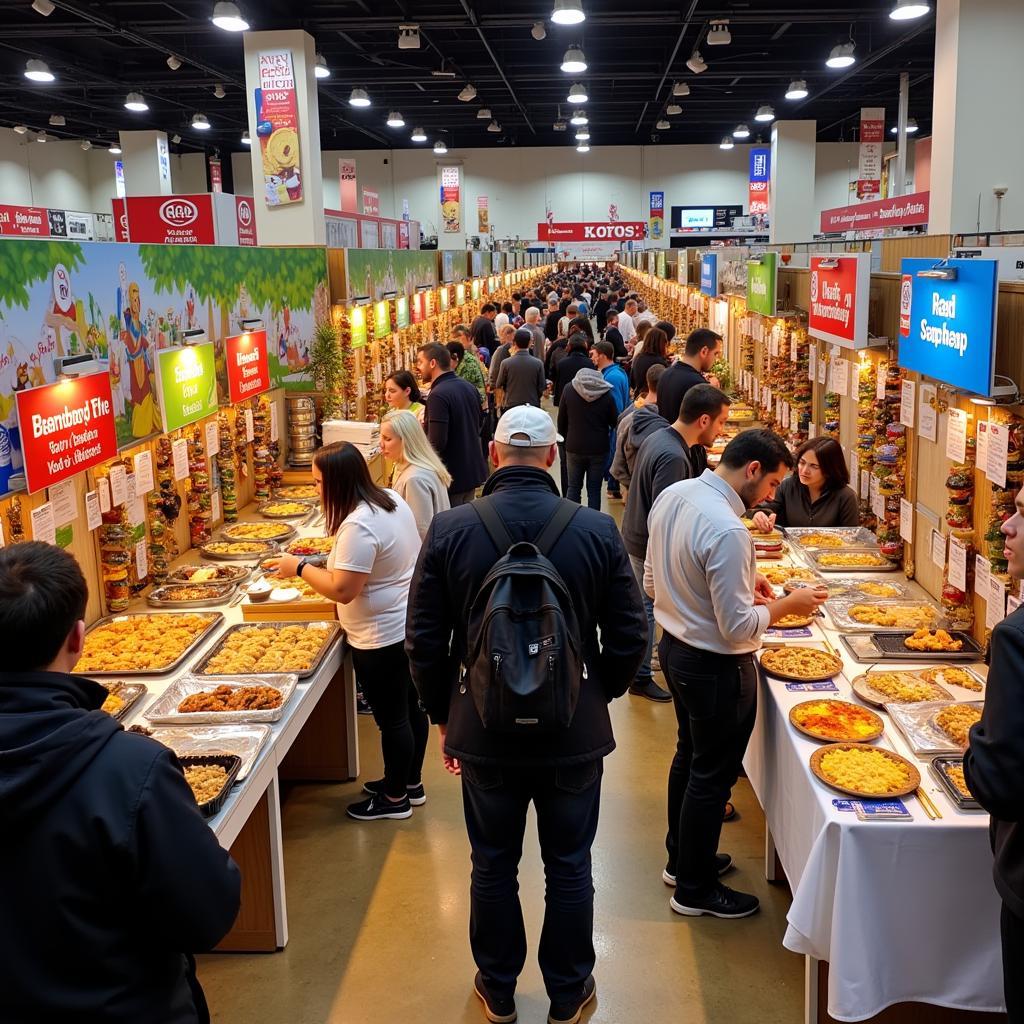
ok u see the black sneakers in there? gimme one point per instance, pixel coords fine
(417, 794)
(652, 691)
(496, 1010)
(720, 902)
(723, 863)
(570, 1013)
(379, 807)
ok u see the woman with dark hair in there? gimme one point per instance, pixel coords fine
(817, 494)
(402, 392)
(582, 325)
(368, 574)
(655, 353)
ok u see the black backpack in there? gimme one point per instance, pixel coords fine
(524, 661)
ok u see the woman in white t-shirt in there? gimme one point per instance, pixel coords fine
(368, 574)
(420, 476)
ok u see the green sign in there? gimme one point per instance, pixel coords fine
(187, 383)
(381, 319)
(761, 280)
(460, 294)
(402, 310)
(476, 289)
(357, 321)
(661, 263)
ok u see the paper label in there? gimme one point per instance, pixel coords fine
(215, 508)
(907, 520)
(823, 687)
(812, 364)
(840, 376)
(812, 430)
(141, 560)
(250, 426)
(907, 403)
(794, 349)
(103, 489)
(93, 517)
(854, 469)
(43, 526)
(982, 576)
(212, 438)
(881, 810)
(865, 484)
(144, 473)
(938, 546)
(179, 458)
(822, 369)
(789, 634)
(982, 456)
(275, 426)
(62, 498)
(118, 484)
(926, 418)
(998, 448)
(136, 506)
(877, 498)
(880, 382)
(956, 435)
(957, 564)
(995, 611)
(855, 382)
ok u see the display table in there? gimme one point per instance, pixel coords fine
(888, 912)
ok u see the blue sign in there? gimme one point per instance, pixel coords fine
(760, 164)
(709, 274)
(948, 327)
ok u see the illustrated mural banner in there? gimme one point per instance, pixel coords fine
(277, 127)
(483, 218)
(451, 199)
(657, 216)
(378, 273)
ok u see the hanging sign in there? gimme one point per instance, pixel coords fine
(371, 202)
(357, 326)
(347, 177)
(277, 127)
(656, 220)
(187, 382)
(840, 287)
(869, 167)
(898, 212)
(216, 175)
(760, 175)
(483, 216)
(65, 428)
(162, 220)
(245, 215)
(948, 326)
(451, 199)
(709, 274)
(761, 284)
(592, 231)
(248, 370)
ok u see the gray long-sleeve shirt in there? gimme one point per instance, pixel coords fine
(522, 378)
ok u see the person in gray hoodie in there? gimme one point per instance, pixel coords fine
(587, 415)
(638, 420)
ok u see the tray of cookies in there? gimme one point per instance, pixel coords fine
(197, 700)
(144, 643)
(267, 648)
(800, 664)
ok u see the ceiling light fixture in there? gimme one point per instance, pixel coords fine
(38, 71)
(136, 102)
(568, 12)
(797, 90)
(559, 126)
(218, 91)
(418, 135)
(320, 68)
(578, 118)
(200, 122)
(358, 98)
(86, 145)
(911, 127)
(115, 149)
(538, 31)
(574, 63)
(696, 63)
(440, 148)
(578, 94)
(246, 138)
(680, 89)
(21, 129)
(583, 135)
(673, 109)
(468, 93)
(841, 56)
(663, 125)
(173, 62)
(494, 127)
(176, 139)
(741, 131)
(765, 113)
(905, 10)
(395, 120)
(718, 33)
(726, 143)
(583, 147)
(42, 137)
(57, 120)
(228, 17)
(408, 37)
(43, 7)
(483, 114)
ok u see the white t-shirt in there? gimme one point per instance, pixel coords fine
(385, 545)
(626, 327)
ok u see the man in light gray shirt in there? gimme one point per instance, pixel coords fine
(521, 376)
(713, 606)
(532, 324)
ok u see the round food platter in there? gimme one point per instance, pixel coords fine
(918, 689)
(221, 574)
(833, 591)
(803, 716)
(866, 755)
(297, 492)
(230, 550)
(310, 546)
(778, 663)
(793, 622)
(270, 532)
(285, 508)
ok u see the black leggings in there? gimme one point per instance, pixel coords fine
(383, 676)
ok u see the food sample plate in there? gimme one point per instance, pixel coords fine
(298, 492)
(949, 773)
(836, 721)
(285, 508)
(863, 771)
(243, 741)
(850, 560)
(226, 767)
(122, 697)
(918, 724)
(777, 575)
(793, 622)
(308, 546)
(955, 722)
(269, 532)
(835, 537)
(854, 589)
(800, 664)
(211, 575)
(883, 688)
(245, 649)
(889, 646)
(957, 676)
(144, 643)
(235, 551)
(858, 616)
(165, 709)
(191, 595)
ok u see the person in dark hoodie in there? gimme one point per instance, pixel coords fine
(574, 359)
(587, 414)
(638, 421)
(994, 769)
(112, 879)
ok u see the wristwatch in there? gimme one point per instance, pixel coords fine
(303, 562)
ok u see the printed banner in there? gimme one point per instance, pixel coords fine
(869, 165)
(371, 203)
(483, 220)
(403, 234)
(709, 274)
(451, 199)
(347, 177)
(592, 231)
(28, 221)
(248, 370)
(277, 126)
(840, 287)
(761, 284)
(657, 216)
(374, 274)
(187, 384)
(898, 212)
(162, 220)
(216, 175)
(120, 219)
(246, 218)
(760, 176)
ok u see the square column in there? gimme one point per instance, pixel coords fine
(791, 196)
(147, 163)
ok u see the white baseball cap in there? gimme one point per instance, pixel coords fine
(526, 426)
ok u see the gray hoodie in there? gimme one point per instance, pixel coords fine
(590, 384)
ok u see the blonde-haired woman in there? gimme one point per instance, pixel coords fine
(420, 476)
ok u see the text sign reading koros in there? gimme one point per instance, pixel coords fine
(840, 288)
(168, 219)
(248, 369)
(592, 231)
(66, 428)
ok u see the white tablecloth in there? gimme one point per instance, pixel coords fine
(902, 911)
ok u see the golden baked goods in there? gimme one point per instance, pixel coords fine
(955, 774)
(800, 663)
(113, 704)
(281, 151)
(836, 720)
(227, 698)
(779, 574)
(902, 687)
(267, 649)
(822, 540)
(306, 592)
(184, 592)
(955, 721)
(870, 771)
(792, 622)
(873, 589)
(852, 559)
(252, 547)
(925, 640)
(253, 531)
(284, 508)
(206, 780)
(899, 616)
(957, 676)
(310, 546)
(301, 492)
(140, 643)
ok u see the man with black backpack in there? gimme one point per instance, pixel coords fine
(502, 637)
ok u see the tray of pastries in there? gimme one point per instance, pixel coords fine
(832, 538)
(244, 740)
(146, 643)
(864, 771)
(298, 492)
(195, 700)
(271, 532)
(868, 616)
(238, 550)
(285, 508)
(850, 560)
(270, 648)
(307, 546)
(935, 726)
(882, 688)
(122, 697)
(836, 721)
(954, 675)
(190, 595)
(210, 777)
(209, 574)
(800, 664)
(779, 575)
(949, 773)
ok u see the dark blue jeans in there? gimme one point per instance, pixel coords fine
(567, 801)
(591, 467)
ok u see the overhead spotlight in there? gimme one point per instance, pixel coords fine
(135, 101)
(696, 63)
(115, 149)
(200, 122)
(663, 125)
(38, 71)
(583, 135)
(21, 129)
(911, 127)
(583, 147)
(559, 126)
(418, 135)
(228, 17)
(358, 98)
(765, 113)
(578, 94)
(578, 118)
(218, 91)
(320, 68)
(726, 143)
(57, 120)
(468, 93)
(494, 127)
(395, 120)
(483, 114)
(538, 31)
(841, 56)
(43, 7)
(568, 12)
(680, 89)
(408, 37)
(741, 131)
(246, 138)
(672, 109)
(86, 145)
(905, 10)
(440, 148)
(176, 139)
(574, 63)
(718, 33)
(797, 90)
(173, 62)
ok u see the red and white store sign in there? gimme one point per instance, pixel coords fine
(30, 221)
(186, 220)
(872, 135)
(66, 428)
(592, 231)
(248, 369)
(403, 234)
(840, 287)
(120, 220)
(898, 212)
(757, 197)
(371, 202)
(245, 214)
(216, 175)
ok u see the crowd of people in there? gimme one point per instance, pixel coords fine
(478, 595)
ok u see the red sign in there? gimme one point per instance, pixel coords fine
(66, 428)
(32, 221)
(591, 231)
(869, 164)
(418, 311)
(906, 300)
(245, 214)
(186, 220)
(757, 197)
(248, 371)
(838, 310)
(371, 202)
(403, 234)
(216, 176)
(898, 212)
(120, 220)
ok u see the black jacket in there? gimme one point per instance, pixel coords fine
(674, 383)
(457, 553)
(586, 425)
(551, 324)
(565, 369)
(994, 762)
(601, 308)
(638, 372)
(792, 505)
(453, 420)
(483, 333)
(614, 337)
(110, 876)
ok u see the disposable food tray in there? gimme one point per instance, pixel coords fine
(331, 631)
(164, 709)
(217, 619)
(231, 763)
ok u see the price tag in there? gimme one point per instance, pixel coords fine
(956, 435)
(854, 467)
(998, 451)
(877, 498)
(982, 576)
(812, 364)
(275, 425)
(855, 382)
(785, 415)
(982, 455)
(144, 473)
(794, 349)
(958, 564)
(141, 560)
(62, 498)
(926, 418)
(880, 382)
(136, 506)
(995, 612)
(43, 526)
(907, 403)
(103, 489)
(907, 520)
(250, 427)
(93, 517)
(822, 369)
(213, 438)
(938, 548)
(840, 376)
(215, 508)
(812, 430)
(179, 458)
(865, 484)
(118, 484)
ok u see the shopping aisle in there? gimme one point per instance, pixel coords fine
(378, 913)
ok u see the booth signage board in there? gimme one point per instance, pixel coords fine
(656, 220)
(948, 327)
(592, 231)
(758, 184)
(660, 267)
(709, 274)
(247, 365)
(840, 288)
(246, 217)
(187, 383)
(402, 311)
(898, 212)
(66, 428)
(163, 220)
(761, 284)
(357, 326)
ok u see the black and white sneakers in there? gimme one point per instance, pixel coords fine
(720, 902)
(723, 863)
(417, 794)
(379, 807)
(570, 1013)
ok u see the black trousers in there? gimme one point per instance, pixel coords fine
(383, 675)
(1012, 928)
(715, 699)
(567, 801)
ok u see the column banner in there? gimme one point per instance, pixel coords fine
(277, 126)
(216, 176)
(760, 174)
(657, 216)
(347, 177)
(451, 199)
(483, 219)
(869, 167)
